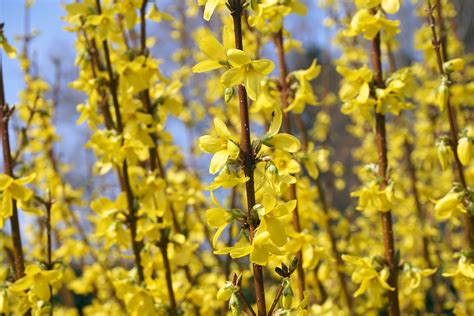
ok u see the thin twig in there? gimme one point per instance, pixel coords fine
(276, 299)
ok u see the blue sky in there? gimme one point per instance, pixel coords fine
(46, 17)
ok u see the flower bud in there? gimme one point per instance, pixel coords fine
(4, 306)
(235, 305)
(442, 95)
(229, 93)
(464, 150)
(287, 296)
(448, 202)
(225, 292)
(453, 65)
(444, 154)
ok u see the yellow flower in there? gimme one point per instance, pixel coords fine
(103, 24)
(269, 213)
(372, 198)
(281, 141)
(464, 274)
(304, 93)
(260, 249)
(364, 22)
(9, 50)
(13, 189)
(279, 171)
(391, 6)
(227, 179)
(214, 50)
(412, 276)
(110, 225)
(269, 14)
(448, 203)
(245, 70)
(399, 86)
(156, 15)
(355, 91)
(217, 217)
(453, 65)
(137, 74)
(210, 6)
(221, 145)
(371, 277)
(38, 282)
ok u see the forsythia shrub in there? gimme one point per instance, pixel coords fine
(250, 218)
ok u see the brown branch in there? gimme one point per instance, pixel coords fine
(249, 157)
(443, 36)
(284, 93)
(329, 228)
(276, 299)
(422, 218)
(453, 127)
(49, 247)
(420, 211)
(137, 246)
(5, 113)
(156, 165)
(386, 217)
(305, 141)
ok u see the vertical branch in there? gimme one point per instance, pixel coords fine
(163, 245)
(305, 141)
(453, 127)
(386, 217)
(49, 248)
(249, 157)
(156, 165)
(443, 35)
(137, 246)
(422, 218)
(5, 113)
(284, 92)
(332, 236)
(420, 211)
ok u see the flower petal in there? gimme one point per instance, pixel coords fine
(233, 77)
(276, 230)
(206, 65)
(263, 66)
(238, 58)
(218, 161)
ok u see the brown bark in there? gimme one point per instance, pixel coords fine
(386, 217)
(249, 158)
